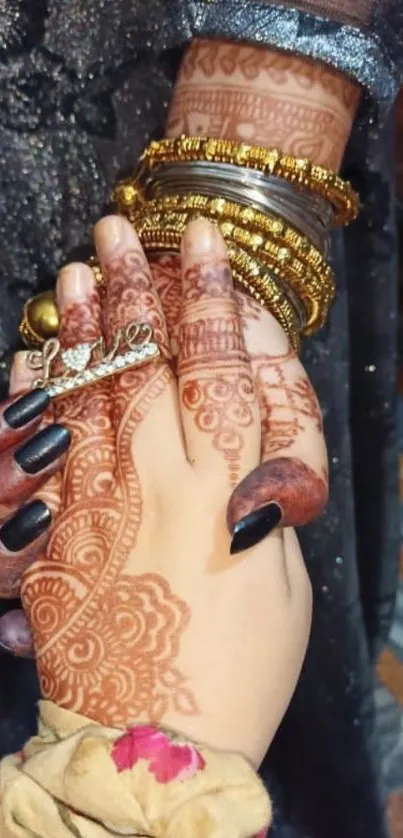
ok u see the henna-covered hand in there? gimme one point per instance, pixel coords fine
(138, 610)
(290, 485)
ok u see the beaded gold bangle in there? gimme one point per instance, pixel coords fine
(248, 273)
(314, 290)
(220, 208)
(299, 171)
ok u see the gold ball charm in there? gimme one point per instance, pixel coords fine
(41, 319)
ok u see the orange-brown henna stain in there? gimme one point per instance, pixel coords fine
(106, 640)
(81, 321)
(284, 405)
(247, 116)
(300, 492)
(262, 96)
(217, 384)
(216, 57)
(132, 296)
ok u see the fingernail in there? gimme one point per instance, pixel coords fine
(74, 284)
(45, 447)
(111, 233)
(26, 409)
(25, 526)
(256, 526)
(15, 634)
(203, 238)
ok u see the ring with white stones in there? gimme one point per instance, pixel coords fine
(86, 363)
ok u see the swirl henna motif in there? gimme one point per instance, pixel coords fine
(107, 640)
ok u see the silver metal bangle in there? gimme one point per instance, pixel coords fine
(310, 214)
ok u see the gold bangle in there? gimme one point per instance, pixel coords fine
(315, 291)
(253, 220)
(247, 272)
(300, 171)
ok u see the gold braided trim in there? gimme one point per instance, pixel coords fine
(299, 171)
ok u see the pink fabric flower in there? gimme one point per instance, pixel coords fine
(167, 760)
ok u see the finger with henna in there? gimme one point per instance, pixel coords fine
(281, 492)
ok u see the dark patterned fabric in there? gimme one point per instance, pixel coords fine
(83, 86)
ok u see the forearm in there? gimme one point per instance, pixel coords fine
(265, 97)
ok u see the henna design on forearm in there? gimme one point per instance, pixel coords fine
(266, 97)
(107, 640)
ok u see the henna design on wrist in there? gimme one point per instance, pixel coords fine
(266, 97)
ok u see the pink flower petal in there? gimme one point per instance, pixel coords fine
(167, 760)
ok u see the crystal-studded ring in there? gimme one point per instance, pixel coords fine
(86, 363)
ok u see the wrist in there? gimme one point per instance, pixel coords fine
(265, 97)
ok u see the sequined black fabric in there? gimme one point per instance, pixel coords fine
(83, 85)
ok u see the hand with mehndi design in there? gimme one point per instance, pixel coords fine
(145, 606)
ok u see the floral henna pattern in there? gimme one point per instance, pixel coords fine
(107, 640)
(223, 408)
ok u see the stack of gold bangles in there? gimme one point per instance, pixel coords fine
(275, 212)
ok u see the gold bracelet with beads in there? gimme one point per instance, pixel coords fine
(255, 221)
(315, 292)
(299, 171)
(248, 273)
(270, 238)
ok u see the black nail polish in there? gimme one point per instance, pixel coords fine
(43, 449)
(256, 526)
(25, 526)
(26, 409)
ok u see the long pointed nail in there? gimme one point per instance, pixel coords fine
(74, 284)
(256, 526)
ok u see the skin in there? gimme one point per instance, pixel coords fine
(266, 97)
(290, 444)
(136, 598)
